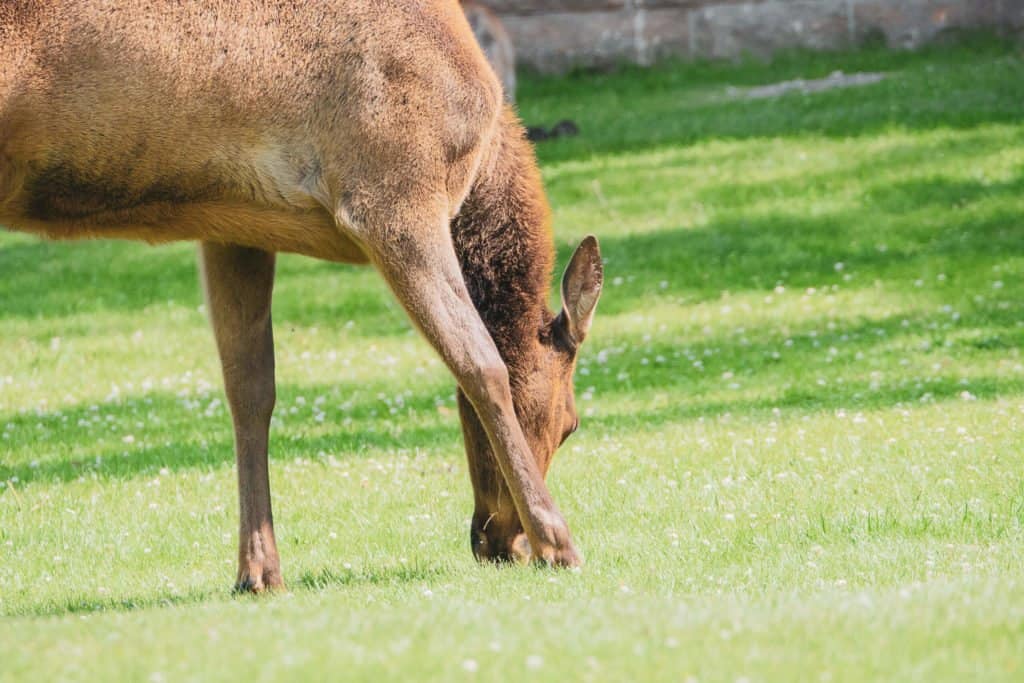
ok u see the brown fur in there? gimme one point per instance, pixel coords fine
(350, 130)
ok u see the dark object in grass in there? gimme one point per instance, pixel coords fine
(563, 129)
(536, 133)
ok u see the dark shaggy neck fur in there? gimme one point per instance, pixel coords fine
(503, 240)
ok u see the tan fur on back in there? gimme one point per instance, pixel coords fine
(272, 124)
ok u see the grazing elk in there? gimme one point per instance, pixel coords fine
(358, 131)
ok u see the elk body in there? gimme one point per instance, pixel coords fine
(355, 131)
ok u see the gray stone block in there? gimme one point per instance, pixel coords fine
(547, 6)
(911, 23)
(1011, 15)
(558, 41)
(665, 32)
(555, 35)
(763, 28)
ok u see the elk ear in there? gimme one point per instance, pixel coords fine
(581, 288)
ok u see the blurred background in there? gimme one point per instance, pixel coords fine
(557, 35)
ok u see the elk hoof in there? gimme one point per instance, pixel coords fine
(566, 557)
(522, 552)
(557, 548)
(258, 580)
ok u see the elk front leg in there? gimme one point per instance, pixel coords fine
(418, 262)
(238, 283)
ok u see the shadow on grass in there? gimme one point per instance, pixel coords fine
(743, 254)
(357, 432)
(308, 582)
(737, 253)
(60, 280)
(945, 390)
(83, 604)
(731, 254)
(783, 374)
(382, 576)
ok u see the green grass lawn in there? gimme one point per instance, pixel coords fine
(801, 452)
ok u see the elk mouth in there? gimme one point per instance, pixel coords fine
(499, 541)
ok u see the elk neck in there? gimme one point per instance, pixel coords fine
(502, 236)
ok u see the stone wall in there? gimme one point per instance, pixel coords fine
(554, 35)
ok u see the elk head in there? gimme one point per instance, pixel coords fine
(542, 389)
